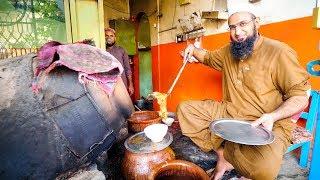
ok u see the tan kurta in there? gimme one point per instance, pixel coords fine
(257, 85)
(261, 83)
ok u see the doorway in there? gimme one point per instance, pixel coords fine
(144, 55)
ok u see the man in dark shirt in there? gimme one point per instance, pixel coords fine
(120, 54)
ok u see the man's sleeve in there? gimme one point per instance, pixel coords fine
(126, 63)
(289, 77)
(215, 58)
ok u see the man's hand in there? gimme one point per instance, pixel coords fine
(130, 89)
(266, 120)
(188, 54)
(193, 54)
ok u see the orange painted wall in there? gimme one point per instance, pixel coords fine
(200, 82)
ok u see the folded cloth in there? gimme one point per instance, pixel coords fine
(87, 59)
(105, 82)
(93, 64)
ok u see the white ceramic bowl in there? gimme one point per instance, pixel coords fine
(156, 132)
(168, 121)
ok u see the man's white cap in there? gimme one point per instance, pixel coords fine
(235, 6)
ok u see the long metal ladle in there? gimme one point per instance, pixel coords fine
(177, 77)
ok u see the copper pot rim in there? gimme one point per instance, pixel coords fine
(145, 121)
(178, 162)
(156, 120)
(140, 112)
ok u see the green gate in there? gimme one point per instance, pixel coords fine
(27, 24)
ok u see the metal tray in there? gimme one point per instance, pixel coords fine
(241, 132)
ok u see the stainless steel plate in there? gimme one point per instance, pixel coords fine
(241, 132)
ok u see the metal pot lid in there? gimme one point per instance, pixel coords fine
(241, 132)
(140, 143)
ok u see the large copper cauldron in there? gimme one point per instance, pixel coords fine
(142, 155)
(178, 170)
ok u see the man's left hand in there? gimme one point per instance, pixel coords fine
(266, 120)
(130, 89)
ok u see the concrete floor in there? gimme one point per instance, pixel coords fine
(290, 169)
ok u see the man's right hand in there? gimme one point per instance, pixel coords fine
(188, 54)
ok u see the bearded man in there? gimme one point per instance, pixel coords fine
(120, 54)
(262, 82)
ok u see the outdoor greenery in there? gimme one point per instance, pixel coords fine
(29, 24)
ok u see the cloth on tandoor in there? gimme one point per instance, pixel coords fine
(93, 64)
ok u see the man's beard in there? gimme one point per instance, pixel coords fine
(242, 50)
(110, 44)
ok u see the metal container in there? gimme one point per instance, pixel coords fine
(144, 104)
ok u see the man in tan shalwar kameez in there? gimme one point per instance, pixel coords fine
(262, 82)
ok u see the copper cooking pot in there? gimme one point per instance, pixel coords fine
(141, 119)
(139, 165)
(178, 170)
